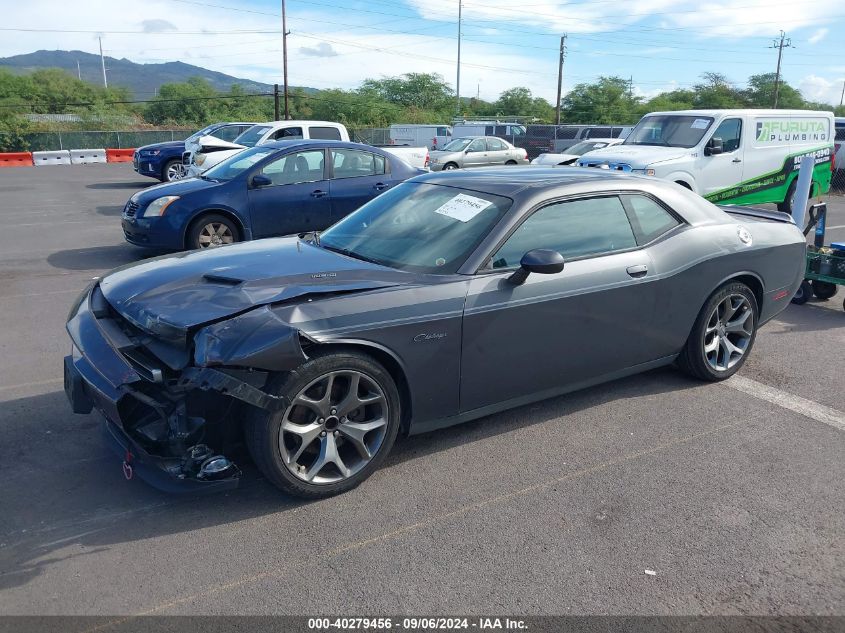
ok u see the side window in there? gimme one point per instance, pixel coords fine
(489, 129)
(496, 145)
(598, 132)
(351, 163)
(442, 131)
(228, 133)
(329, 133)
(292, 169)
(287, 133)
(574, 229)
(730, 131)
(840, 133)
(478, 145)
(649, 218)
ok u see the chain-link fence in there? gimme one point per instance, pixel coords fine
(48, 141)
(370, 135)
(837, 184)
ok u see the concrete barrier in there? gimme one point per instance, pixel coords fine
(85, 156)
(15, 159)
(119, 155)
(60, 157)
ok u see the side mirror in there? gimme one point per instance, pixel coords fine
(541, 261)
(714, 146)
(260, 180)
(467, 150)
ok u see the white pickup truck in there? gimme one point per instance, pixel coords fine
(212, 151)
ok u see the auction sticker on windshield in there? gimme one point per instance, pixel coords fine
(700, 124)
(463, 207)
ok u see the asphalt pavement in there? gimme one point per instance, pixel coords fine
(731, 493)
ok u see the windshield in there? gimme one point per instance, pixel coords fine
(458, 145)
(670, 130)
(418, 227)
(252, 135)
(206, 130)
(239, 163)
(583, 147)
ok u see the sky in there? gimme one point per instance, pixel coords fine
(659, 44)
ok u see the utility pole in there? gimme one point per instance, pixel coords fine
(458, 81)
(103, 63)
(560, 76)
(842, 97)
(784, 42)
(285, 58)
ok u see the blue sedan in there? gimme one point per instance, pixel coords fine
(270, 190)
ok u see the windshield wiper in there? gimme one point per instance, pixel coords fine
(350, 253)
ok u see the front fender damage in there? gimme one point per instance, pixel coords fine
(200, 406)
(257, 339)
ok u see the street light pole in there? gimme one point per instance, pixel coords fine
(285, 57)
(458, 81)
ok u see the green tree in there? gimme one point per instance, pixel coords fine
(425, 91)
(715, 91)
(608, 100)
(191, 102)
(761, 93)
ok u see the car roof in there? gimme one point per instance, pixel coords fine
(510, 181)
(317, 142)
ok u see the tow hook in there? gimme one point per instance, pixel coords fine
(127, 465)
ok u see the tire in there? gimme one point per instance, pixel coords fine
(203, 230)
(720, 340)
(450, 166)
(172, 171)
(803, 294)
(511, 162)
(824, 290)
(326, 427)
(788, 202)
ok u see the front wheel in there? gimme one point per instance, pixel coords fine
(342, 418)
(723, 334)
(788, 203)
(173, 170)
(212, 230)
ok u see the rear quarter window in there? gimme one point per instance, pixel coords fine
(328, 133)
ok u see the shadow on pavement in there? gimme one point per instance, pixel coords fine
(111, 210)
(83, 501)
(135, 184)
(814, 316)
(99, 257)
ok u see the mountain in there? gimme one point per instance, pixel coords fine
(143, 80)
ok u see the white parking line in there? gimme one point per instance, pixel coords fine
(840, 226)
(819, 412)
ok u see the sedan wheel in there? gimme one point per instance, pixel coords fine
(723, 334)
(340, 421)
(450, 166)
(728, 333)
(175, 170)
(334, 427)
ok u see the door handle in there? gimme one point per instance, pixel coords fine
(380, 186)
(736, 160)
(318, 194)
(637, 271)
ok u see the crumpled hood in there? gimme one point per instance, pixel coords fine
(638, 156)
(170, 294)
(213, 141)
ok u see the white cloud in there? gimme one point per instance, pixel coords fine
(818, 36)
(815, 88)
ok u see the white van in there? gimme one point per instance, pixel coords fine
(511, 132)
(432, 136)
(213, 150)
(727, 156)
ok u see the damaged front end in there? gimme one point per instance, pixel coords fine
(172, 406)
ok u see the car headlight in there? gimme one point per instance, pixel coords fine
(159, 205)
(151, 152)
(199, 159)
(646, 172)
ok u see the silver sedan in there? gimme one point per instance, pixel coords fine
(477, 151)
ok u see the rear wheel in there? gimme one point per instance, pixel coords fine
(824, 290)
(212, 230)
(511, 162)
(341, 423)
(449, 166)
(803, 294)
(723, 334)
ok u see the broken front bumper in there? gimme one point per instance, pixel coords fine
(103, 373)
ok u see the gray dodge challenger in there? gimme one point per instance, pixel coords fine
(450, 297)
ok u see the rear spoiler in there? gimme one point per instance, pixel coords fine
(763, 214)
